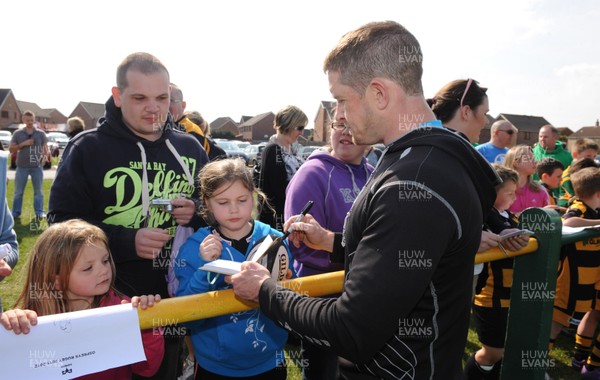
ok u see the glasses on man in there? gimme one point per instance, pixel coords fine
(466, 90)
(300, 128)
(338, 126)
(509, 131)
(176, 100)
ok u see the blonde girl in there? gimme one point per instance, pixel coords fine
(239, 345)
(529, 193)
(70, 269)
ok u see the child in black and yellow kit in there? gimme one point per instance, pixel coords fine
(578, 279)
(583, 149)
(492, 298)
(550, 173)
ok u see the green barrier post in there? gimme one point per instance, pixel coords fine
(532, 298)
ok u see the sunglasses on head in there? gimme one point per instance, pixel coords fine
(466, 90)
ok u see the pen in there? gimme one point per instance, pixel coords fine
(279, 240)
(303, 213)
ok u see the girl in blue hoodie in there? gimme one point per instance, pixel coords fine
(244, 345)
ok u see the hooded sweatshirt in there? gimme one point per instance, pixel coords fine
(558, 154)
(410, 241)
(333, 185)
(241, 344)
(109, 176)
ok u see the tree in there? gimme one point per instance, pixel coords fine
(222, 135)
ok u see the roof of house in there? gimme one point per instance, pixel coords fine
(3, 94)
(524, 123)
(95, 110)
(329, 108)
(220, 122)
(244, 119)
(490, 121)
(57, 116)
(33, 107)
(257, 119)
(566, 131)
(593, 132)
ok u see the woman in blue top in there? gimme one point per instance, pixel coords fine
(244, 345)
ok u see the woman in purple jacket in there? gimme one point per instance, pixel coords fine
(332, 179)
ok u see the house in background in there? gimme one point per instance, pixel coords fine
(223, 124)
(258, 128)
(89, 112)
(484, 135)
(48, 119)
(528, 126)
(244, 119)
(10, 114)
(325, 115)
(57, 117)
(589, 132)
(565, 132)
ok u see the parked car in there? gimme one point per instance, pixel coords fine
(306, 151)
(242, 144)
(251, 151)
(254, 153)
(232, 149)
(5, 137)
(261, 147)
(59, 138)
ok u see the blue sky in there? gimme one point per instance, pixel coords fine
(234, 58)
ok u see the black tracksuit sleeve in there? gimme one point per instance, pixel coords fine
(380, 290)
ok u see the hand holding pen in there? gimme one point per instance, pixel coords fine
(305, 229)
(299, 218)
(279, 240)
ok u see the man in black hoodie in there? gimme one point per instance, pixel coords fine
(409, 240)
(117, 176)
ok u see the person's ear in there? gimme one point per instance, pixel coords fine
(465, 110)
(379, 92)
(544, 177)
(116, 93)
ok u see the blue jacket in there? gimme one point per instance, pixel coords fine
(238, 344)
(7, 233)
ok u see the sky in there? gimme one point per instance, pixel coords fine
(234, 58)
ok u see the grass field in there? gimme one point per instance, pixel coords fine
(28, 230)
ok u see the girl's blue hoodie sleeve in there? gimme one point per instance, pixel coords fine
(191, 279)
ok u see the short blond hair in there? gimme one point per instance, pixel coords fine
(288, 118)
(75, 123)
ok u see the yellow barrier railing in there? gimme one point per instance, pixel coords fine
(211, 304)
(496, 253)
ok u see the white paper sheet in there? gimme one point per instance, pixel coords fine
(228, 267)
(68, 345)
(566, 230)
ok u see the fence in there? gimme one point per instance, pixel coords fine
(530, 313)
